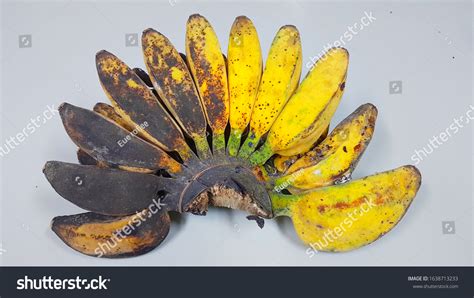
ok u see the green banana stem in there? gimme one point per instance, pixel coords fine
(218, 144)
(234, 142)
(262, 155)
(249, 146)
(281, 203)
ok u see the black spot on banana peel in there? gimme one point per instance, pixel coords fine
(127, 172)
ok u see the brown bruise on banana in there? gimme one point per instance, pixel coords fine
(97, 235)
(359, 212)
(221, 196)
(282, 163)
(98, 137)
(173, 82)
(208, 68)
(137, 106)
(337, 156)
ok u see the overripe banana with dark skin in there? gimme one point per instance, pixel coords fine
(200, 130)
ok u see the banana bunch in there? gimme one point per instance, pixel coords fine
(206, 129)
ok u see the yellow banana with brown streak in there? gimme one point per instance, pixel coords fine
(244, 57)
(309, 111)
(208, 67)
(173, 82)
(347, 216)
(336, 157)
(279, 80)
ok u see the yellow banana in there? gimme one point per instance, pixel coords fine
(347, 216)
(208, 67)
(309, 110)
(279, 80)
(336, 157)
(244, 70)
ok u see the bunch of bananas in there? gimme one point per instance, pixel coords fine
(202, 129)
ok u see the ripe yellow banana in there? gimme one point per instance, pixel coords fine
(244, 70)
(208, 67)
(347, 216)
(336, 157)
(309, 111)
(279, 80)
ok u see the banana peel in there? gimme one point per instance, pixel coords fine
(347, 216)
(245, 71)
(334, 159)
(280, 79)
(199, 130)
(112, 237)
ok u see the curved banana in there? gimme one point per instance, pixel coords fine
(336, 157)
(347, 216)
(174, 84)
(279, 80)
(208, 67)
(309, 111)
